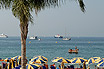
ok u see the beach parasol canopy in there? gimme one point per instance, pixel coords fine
(101, 64)
(84, 65)
(99, 61)
(96, 58)
(90, 61)
(32, 66)
(7, 59)
(16, 57)
(61, 60)
(1, 59)
(78, 60)
(39, 59)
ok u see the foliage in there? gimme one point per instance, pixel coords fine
(23, 8)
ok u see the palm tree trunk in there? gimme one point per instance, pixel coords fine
(24, 32)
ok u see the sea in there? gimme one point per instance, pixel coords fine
(51, 47)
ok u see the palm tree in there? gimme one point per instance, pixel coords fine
(22, 10)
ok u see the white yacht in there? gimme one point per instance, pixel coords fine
(66, 38)
(34, 38)
(3, 36)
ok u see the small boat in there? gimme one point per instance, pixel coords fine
(58, 36)
(73, 51)
(34, 38)
(39, 39)
(66, 38)
(3, 36)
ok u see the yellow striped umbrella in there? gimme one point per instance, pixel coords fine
(7, 59)
(99, 61)
(16, 57)
(97, 58)
(78, 60)
(32, 66)
(101, 64)
(1, 59)
(90, 61)
(41, 57)
(38, 59)
(61, 60)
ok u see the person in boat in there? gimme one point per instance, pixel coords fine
(70, 50)
(76, 48)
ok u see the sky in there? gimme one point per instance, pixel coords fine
(67, 18)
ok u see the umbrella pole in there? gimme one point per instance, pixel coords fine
(10, 65)
(0, 67)
(88, 67)
(84, 65)
(62, 65)
(16, 64)
(6, 66)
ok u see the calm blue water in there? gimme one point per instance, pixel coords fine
(88, 47)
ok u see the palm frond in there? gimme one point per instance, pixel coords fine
(21, 9)
(82, 5)
(5, 4)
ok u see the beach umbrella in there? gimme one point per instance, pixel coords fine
(16, 57)
(7, 59)
(84, 65)
(90, 61)
(40, 61)
(32, 66)
(61, 60)
(11, 64)
(101, 64)
(96, 58)
(99, 61)
(78, 60)
(55, 58)
(37, 60)
(41, 57)
(19, 62)
(1, 59)
(16, 63)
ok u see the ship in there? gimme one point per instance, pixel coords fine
(66, 38)
(58, 36)
(3, 36)
(34, 38)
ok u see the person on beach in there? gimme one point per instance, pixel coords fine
(88, 67)
(80, 65)
(46, 65)
(43, 67)
(29, 60)
(95, 66)
(59, 67)
(53, 66)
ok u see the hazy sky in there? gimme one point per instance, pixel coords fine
(56, 20)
